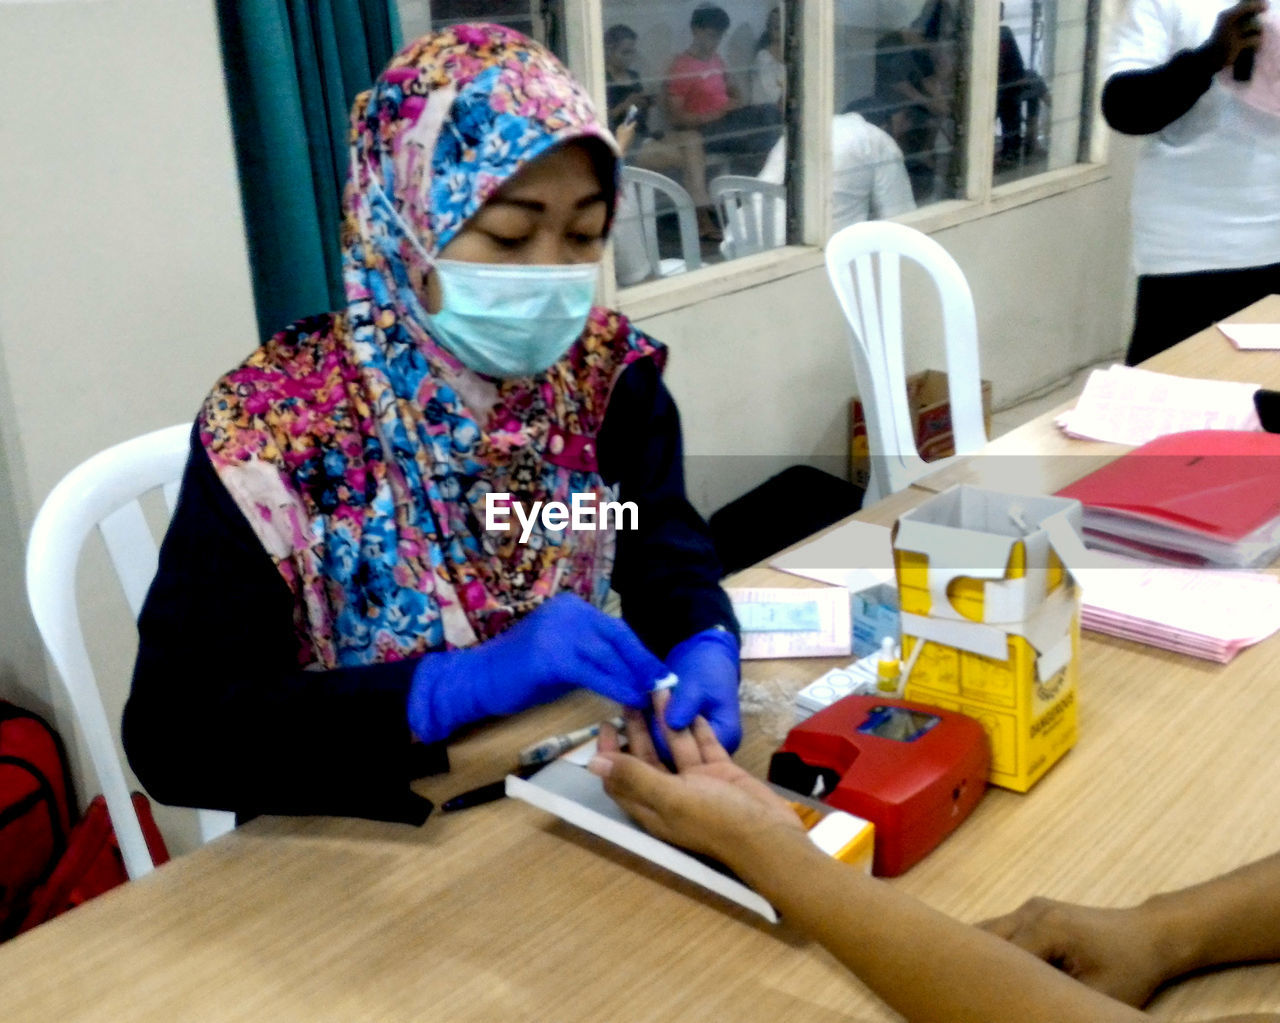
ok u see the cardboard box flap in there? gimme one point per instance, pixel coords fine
(963, 634)
(1000, 641)
(1045, 629)
(969, 533)
(955, 551)
(974, 509)
(953, 554)
(1063, 531)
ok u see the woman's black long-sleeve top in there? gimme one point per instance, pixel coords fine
(220, 716)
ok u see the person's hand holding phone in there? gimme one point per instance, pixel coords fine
(1237, 35)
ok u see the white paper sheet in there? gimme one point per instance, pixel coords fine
(1125, 405)
(856, 555)
(832, 638)
(1202, 612)
(1253, 336)
(574, 794)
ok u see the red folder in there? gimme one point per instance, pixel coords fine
(1211, 495)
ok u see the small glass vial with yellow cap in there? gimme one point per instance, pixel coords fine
(888, 668)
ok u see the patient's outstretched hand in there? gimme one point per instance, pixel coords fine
(709, 805)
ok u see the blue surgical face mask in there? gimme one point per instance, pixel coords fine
(504, 319)
(509, 320)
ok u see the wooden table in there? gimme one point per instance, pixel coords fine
(501, 913)
(1038, 458)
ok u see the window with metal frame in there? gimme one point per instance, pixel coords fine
(937, 112)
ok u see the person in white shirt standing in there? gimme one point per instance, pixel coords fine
(1195, 77)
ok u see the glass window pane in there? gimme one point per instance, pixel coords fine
(704, 87)
(1042, 106)
(899, 102)
(539, 19)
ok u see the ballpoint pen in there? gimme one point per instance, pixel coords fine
(487, 793)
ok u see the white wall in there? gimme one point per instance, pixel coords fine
(124, 287)
(124, 292)
(766, 372)
(21, 656)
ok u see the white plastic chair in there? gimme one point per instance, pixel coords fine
(641, 189)
(751, 211)
(104, 492)
(873, 309)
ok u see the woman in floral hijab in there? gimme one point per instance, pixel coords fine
(336, 531)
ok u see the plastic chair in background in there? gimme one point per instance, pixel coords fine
(864, 265)
(636, 232)
(753, 213)
(104, 492)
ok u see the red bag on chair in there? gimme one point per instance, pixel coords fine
(92, 863)
(36, 809)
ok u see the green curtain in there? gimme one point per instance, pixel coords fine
(293, 69)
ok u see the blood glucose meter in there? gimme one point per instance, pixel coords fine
(914, 771)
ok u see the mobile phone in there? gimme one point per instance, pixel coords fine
(1242, 69)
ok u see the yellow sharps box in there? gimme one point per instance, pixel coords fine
(995, 613)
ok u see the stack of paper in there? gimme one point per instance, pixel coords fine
(1203, 613)
(1124, 405)
(1208, 497)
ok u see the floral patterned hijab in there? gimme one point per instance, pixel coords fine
(360, 451)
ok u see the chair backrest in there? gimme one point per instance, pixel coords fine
(751, 211)
(864, 265)
(640, 191)
(104, 492)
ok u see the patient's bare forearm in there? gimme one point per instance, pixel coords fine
(1234, 918)
(965, 976)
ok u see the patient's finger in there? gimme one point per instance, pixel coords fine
(639, 741)
(608, 740)
(709, 748)
(683, 746)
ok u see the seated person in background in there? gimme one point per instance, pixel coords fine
(1018, 91)
(701, 95)
(915, 90)
(680, 151)
(333, 584)
(868, 177)
(768, 72)
(714, 807)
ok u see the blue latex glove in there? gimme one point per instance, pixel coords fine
(562, 645)
(707, 665)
